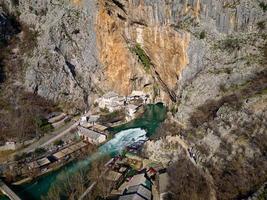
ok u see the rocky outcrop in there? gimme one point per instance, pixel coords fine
(8, 27)
(84, 47)
(169, 33)
(62, 65)
(226, 51)
(227, 143)
(165, 150)
(121, 26)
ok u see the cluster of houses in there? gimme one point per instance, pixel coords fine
(64, 154)
(112, 102)
(125, 182)
(133, 177)
(130, 176)
(138, 187)
(91, 131)
(29, 168)
(130, 184)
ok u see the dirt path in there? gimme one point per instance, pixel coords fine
(47, 139)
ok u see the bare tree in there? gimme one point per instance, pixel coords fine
(72, 186)
(187, 182)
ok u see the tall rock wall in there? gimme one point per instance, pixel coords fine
(170, 34)
(85, 48)
(121, 26)
(63, 62)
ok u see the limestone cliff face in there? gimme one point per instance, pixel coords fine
(85, 48)
(62, 64)
(169, 33)
(226, 51)
(122, 25)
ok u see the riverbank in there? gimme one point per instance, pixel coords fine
(149, 121)
(45, 173)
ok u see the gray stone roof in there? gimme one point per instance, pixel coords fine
(141, 190)
(89, 133)
(131, 197)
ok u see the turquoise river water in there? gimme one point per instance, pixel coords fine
(138, 129)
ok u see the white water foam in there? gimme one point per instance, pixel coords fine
(123, 139)
(116, 145)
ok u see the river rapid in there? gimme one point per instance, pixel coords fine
(139, 129)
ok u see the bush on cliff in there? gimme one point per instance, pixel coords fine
(143, 57)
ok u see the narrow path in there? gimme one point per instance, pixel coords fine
(52, 137)
(47, 139)
(61, 134)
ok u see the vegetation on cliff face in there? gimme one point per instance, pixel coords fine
(230, 44)
(142, 56)
(263, 6)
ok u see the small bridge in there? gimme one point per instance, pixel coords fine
(8, 192)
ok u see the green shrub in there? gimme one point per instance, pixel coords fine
(41, 121)
(43, 125)
(58, 142)
(95, 104)
(263, 195)
(223, 88)
(173, 110)
(263, 6)
(202, 35)
(143, 57)
(156, 90)
(229, 44)
(3, 42)
(261, 25)
(185, 24)
(15, 2)
(47, 128)
(39, 151)
(20, 157)
(104, 110)
(231, 4)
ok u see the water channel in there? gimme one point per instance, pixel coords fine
(124, 135)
